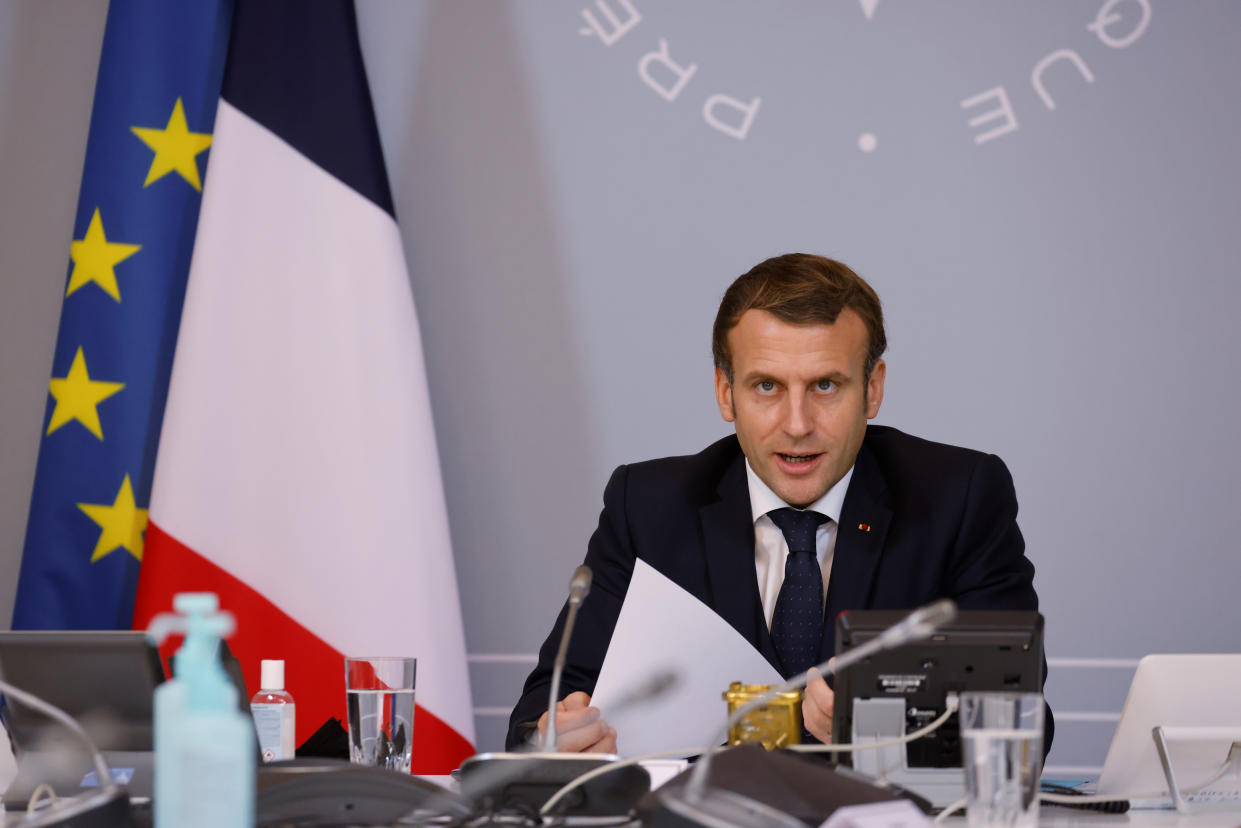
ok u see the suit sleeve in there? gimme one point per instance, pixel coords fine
(610, 556)
(990, 570)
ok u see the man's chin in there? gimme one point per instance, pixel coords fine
(797, 490)
(801, 494)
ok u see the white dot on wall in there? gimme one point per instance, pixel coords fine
(867, 142)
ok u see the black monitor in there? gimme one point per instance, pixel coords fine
(978, 651)
(102, 678)
(106, 681)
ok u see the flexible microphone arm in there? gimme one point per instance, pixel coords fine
(102, 770)
(917, 625)
(579, 587)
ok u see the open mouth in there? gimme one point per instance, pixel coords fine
(798, 459)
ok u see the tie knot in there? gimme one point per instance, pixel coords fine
(798, 526)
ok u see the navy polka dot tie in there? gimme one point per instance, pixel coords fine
(797, 621)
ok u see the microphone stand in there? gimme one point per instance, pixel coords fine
(579, 587)
(548, 770)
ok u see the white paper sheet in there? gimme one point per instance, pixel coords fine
(663, 628)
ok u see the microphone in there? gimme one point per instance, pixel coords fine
(579, 587)
(579, 584)
(109, 803)
(917, 625)
(913, 627)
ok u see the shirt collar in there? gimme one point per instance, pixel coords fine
(763, 499)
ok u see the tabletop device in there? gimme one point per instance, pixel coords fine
(1195, 702)
(753, 786)
(500, 786)
(105, 680)
(336, 792)
(900, 690)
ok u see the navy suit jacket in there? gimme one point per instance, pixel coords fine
(920, 521)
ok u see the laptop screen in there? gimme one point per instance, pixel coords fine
(102, 678)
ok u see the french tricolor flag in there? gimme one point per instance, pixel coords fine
(297, 473)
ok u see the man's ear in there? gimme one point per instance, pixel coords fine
(724, 396)
(874, 389)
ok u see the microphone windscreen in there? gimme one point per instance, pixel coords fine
(933, 616)
(579, 584)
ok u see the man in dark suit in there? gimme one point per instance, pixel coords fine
(805, 513)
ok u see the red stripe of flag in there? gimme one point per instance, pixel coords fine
(314, 671)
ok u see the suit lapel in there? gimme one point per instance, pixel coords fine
(864, 520)
(728, 538)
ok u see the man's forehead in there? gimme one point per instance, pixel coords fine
(761, 341)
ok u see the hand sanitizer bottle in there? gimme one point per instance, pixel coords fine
(273, 711)
(204, 743)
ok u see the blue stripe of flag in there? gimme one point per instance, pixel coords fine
(300, 74)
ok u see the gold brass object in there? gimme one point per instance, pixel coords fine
(777, 724)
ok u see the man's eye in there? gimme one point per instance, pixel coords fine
(766, 387)
(826, 385)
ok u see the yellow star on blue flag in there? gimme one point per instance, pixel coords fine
(176, 148)
(78, 397)
(121, 524)
(95, 259)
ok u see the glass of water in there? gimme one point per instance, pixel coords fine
(379, 692)
(1002, 739)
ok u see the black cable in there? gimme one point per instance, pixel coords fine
(1118, 806)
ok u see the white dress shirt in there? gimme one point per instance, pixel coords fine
(771, 550)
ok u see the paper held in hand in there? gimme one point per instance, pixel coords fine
(662, 628)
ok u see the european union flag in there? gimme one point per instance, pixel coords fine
(155, 101)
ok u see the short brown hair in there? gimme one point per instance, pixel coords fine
(802, 289)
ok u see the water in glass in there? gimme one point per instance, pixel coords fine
(381, 727)
(1002, 778)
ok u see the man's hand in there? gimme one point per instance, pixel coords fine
(579, 728)
(816, 708)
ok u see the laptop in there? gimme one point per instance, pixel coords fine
(1197, 700)
(105, 680)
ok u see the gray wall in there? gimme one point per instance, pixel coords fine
(49, 54)
(1060, 294)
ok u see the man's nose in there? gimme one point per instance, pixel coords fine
(797, 420)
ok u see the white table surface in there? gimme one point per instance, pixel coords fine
(1054, 817)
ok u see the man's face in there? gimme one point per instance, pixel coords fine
(799, 399)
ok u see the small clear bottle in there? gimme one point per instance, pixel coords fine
(274, 713)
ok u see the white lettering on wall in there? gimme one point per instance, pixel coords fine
(748, 111)
(663, 75)
(1109, 34)
(680, 73)
(1106, 17)
(619, 28)
(1003, 112)
(1036, 77)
